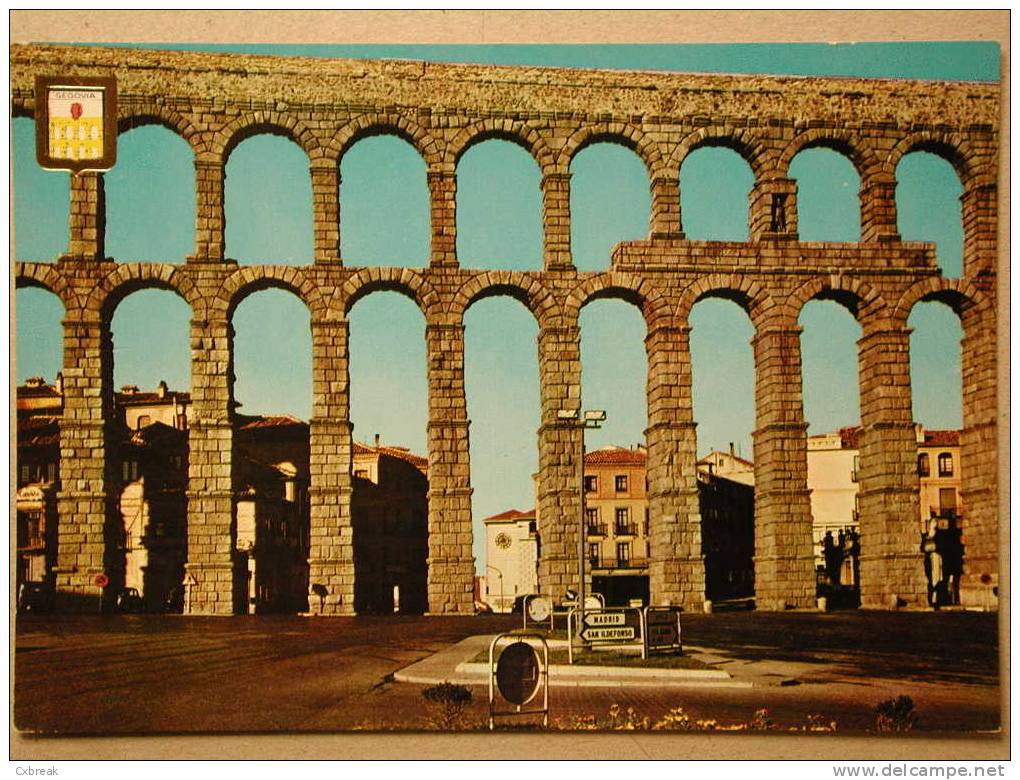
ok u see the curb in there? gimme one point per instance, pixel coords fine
(563, 670)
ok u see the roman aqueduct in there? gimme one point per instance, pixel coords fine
(215, 101)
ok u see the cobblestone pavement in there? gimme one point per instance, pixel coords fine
(153, 674)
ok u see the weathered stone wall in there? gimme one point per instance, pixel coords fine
(214, 101)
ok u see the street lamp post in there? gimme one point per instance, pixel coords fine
(502, 603)
(592, 418)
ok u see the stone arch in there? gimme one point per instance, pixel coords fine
(741, 141)
(156, 114)
(131, 277)
(860, 299)
(624, 286)
(255, 278)
(513, 130)
(750, 295)
(961, 295)
(952, 148)
(402, 280)
(621, 133)
(397, 125)
(843, 142)
(520, 286)
(267, 122)
(46, 277)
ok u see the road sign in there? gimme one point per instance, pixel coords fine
(662, 629)
(662, 634)
(605, 619)
(539, 609)
(608, 634)
(517, 673)
(101, 580)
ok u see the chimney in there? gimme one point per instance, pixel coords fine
(59, 384)
(161, 390)
(732, 453)
(377, 441)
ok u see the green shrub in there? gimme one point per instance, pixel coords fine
(447, 704)
(894, 715)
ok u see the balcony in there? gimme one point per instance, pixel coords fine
(625, 529)
(949, 512)
(631, 563)
(596, 529)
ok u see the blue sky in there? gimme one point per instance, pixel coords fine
(384, 221)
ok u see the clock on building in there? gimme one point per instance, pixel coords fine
(502, 541)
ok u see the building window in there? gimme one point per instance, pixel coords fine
(129, 470)
(623, 525)
(26, 473)
(856, 468)
(648, 522)
(923, 465)
(947, 502)
(945, 464)
(143, 420)
(621, 483)
(593, 555)
(591, 484)
(623, 553)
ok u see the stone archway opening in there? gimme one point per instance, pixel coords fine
(270, 411)
(40, 199)
(391, 462)
(830, 387)
(268, 202)
(610, 202)
(499, 207)
(614, 379)
(39, 404)
(723, 373)
(150, 197)
(828, 202)
(384, 204)
(928, 207)
(715, 186)
(147, 392)
(503, 401)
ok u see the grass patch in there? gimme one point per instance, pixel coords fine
(612, 658)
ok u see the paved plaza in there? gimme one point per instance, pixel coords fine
(92, 675)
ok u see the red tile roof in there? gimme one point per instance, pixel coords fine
(942, 438)
(850, 437)
(512, 514)
(401, 453)
(39, 431)
(151, 397)
(615, 456)
(40, 391)
(727, 455)
(249, 423)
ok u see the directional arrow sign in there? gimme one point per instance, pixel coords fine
(611, 634)
(596, 619)
(662, 634)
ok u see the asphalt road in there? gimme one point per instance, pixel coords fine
(91, 675)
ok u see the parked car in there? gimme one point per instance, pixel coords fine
(128, 600)
(174, 601)
(34, 597)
